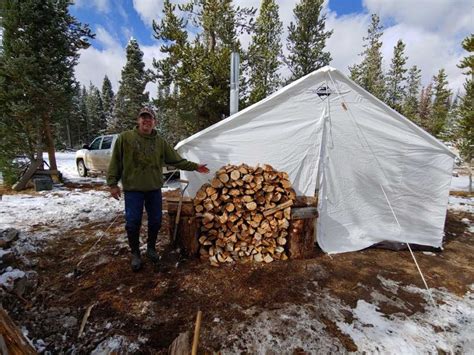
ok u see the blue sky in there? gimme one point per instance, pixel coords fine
(431, 29)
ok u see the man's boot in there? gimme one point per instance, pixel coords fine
(134, 242)
(151, 248)
(136, 261)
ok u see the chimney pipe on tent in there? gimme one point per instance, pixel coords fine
(234, 82)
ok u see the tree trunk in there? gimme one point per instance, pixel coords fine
(50, 144)
(68, 132)
(34, 165)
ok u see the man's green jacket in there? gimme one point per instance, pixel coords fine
(138, 161)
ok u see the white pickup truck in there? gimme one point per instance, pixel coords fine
(95, 157)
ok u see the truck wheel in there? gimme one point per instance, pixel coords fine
(81, 168)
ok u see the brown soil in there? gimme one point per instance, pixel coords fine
(160, 302)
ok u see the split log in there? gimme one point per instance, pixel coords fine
(181, 345)
(12, 341)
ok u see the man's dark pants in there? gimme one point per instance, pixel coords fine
(134, 202)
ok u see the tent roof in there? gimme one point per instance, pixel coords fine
(315, 76)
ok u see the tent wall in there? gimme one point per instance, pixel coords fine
(380, 176)
(283, 131)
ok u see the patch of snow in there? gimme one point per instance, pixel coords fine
(7, 279)
(465, 221)
(66, 162)
(116, 344)
(381, 298)
(389, 285)
(40, 345)
(285, 330)
(374, 332)
(462, 204)
(460, 183)
(63, 209)
(4, 252)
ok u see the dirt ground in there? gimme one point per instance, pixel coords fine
(153, 306)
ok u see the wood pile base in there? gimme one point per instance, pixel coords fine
(301, 231)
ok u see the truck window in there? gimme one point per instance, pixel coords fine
(107, 142)
(95, 144)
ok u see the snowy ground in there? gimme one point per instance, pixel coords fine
(370, 330)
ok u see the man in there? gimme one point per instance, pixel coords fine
(137, 160)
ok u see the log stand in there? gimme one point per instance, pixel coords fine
(302, 230)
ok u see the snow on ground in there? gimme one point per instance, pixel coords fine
(460, 183)
(461, 204)
(66, 162)
(61, 207)
(370, 330)
(374, 332)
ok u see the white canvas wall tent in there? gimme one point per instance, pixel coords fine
(379, 177)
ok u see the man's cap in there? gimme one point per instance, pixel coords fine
(147, 111)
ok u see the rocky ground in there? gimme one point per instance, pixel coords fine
(371, 300)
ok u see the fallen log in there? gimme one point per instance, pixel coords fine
(12, 341)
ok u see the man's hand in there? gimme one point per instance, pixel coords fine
(202, 168)
(115, 192)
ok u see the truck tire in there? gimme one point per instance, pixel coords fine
(81, 168)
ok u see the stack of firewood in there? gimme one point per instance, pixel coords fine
(245, 214)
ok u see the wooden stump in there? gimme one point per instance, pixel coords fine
(187, 234)
(302, 232)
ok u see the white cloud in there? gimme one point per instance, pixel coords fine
(105, 38)
(150, 53)
(101, 5)
(346, 42)
(432, 31)
(94, 63)
(449, 17)
(148, 10)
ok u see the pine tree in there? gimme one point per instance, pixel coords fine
(465, 131)
(410, 101)
(172, 32)
(131, 95)
(468, 62)
(41, 41)
(107, 96)
(451, 126)
(307, 39)
(265, 52)
(441, 103)
(84, 123)
(465, 124)
(75, 119)
(95, 111)
(425, 107)
(396, 89)
(369, 73)
(194, 75)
